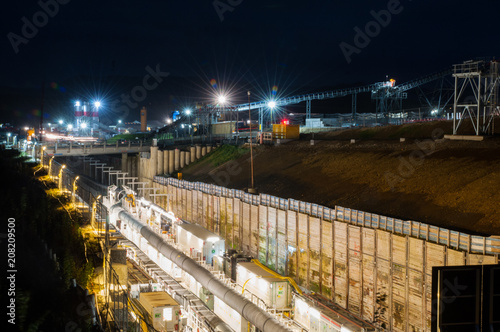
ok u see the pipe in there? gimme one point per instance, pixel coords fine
(252, 313)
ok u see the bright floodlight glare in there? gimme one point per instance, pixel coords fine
(271, 104)
(60, 121)
(97, 104)
(8, 134)
(77, 103)
(83, 125)
(188, 111)
(119, 121)
(70, 126)
(222, 99)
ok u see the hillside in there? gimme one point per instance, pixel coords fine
(445, 183)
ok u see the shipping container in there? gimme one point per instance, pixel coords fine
(199, 243)
(284, 131)
(274, 292)
(164, 310)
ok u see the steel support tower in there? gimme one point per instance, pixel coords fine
(476, 95)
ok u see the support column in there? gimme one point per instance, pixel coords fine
(165, 162)
(159, 165)
(193, 154)
(188, 157)
(130, 162)
(134, 165)
(308, 109)
(171, 155)
(198, 152)
(203, 151)
(176, 159)
(182, 159)
(124, 162)
(153, 161)
(209, 148)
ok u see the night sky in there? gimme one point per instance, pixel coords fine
(91, 49)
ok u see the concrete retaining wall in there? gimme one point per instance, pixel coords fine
(372, 265)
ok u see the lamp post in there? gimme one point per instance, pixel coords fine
(252, 189)
(60, 176)
(73, 194)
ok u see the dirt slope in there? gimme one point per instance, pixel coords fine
(445, 183)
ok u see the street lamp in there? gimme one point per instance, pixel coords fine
(271, 105)
(73, 195)
(60, 176)
(61, 122)
(8, 138)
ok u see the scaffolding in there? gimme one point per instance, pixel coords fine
(476, 95)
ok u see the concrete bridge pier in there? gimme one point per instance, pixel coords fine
(188, 158)
(165, 162)
(153, 162)
(176, 159)
(124, 162)
(171, 155)
(182, 159)
(193, 154)
(198, 152)
(159, 166)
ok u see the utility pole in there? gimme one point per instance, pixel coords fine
(252, 189)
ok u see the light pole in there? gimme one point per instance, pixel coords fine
(252, 189)
(73, 196)
(8, 138)
(60, 176)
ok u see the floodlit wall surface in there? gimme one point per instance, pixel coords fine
(377, 267)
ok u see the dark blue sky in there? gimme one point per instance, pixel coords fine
(258, 44)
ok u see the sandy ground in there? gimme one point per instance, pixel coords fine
(452, 184)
